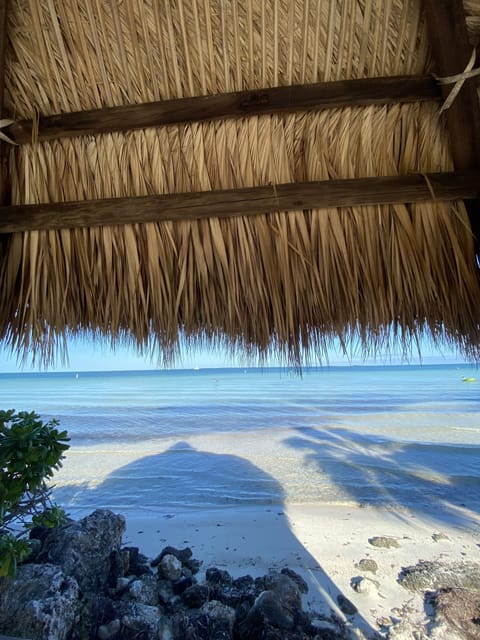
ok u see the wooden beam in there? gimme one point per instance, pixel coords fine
(241, 202)
(326, 95)
(451, 51)
(3, 47)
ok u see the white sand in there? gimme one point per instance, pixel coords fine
(320, 541)
(323, 544)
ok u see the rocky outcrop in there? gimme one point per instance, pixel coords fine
(83, 549)
(40, 603)
(452, 593)
(384, 542)
(440, 575)
(84, 586)
(53, 595)
(456, 613)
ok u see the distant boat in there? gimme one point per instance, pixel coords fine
(196, 368)
(76, 376)
(468, 379)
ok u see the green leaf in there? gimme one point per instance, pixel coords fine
(30, 451)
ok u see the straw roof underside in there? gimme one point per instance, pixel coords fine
(286, 282)
(71, 55)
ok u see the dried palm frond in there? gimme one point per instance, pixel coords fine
(284, 282)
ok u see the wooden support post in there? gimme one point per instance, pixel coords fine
(451, 51)
(241, 202)
(3, 149)
(324, 95)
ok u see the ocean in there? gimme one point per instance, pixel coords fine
(168, 441)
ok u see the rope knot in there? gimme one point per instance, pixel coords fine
(458, 80)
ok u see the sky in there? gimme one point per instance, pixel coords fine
(84, 355)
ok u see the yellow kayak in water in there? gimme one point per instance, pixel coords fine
(468, 379)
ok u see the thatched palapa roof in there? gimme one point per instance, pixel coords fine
(268, 174)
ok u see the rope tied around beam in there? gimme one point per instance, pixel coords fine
(429, 186)
(458, 80)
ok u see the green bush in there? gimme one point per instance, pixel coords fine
(30, 452)
(12, 550)
(52, 517)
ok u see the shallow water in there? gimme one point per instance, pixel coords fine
(406, 436)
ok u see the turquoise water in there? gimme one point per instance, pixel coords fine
(400, 435)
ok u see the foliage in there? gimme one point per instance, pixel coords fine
(52, 517)
(12, 550)
(30, 452)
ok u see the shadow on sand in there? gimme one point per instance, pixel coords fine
(205, 500)
(441, 480)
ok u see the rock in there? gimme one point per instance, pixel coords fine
(35, 548)
(384, 542)
(438, 537)
(134, 562)
(367, 564)
(456, 613)
(192, 565)
(234, 593)
(383, 621)
(260, 583)
(180, 585)
(165, 629)
(106, 631)
(144, 590)
(121, 598)
(431, 576)
(181, 554)
(364, 585)
(116, 568)
(245, 582)
(346, 606)
(217, 576)
(287, 592)
(170, 567)
(299, 581)
(220, 613)
(196, 596)
(325, 628)
(141, 623)
(104, 610)
(125, 555)
(267, 611)
(83, 549)
(122, 584)
(165, 591)
(276, 608)
(41, 602)
(201, 626)
(39, 533)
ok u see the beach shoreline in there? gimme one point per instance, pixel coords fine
(257, 471)
(325, 544)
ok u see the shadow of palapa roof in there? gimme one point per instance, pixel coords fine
(270, 175)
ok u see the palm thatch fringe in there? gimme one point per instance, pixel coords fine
(283, 283)
(287, 283)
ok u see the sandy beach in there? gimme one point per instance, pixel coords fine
(259, 472)
(325, 545)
